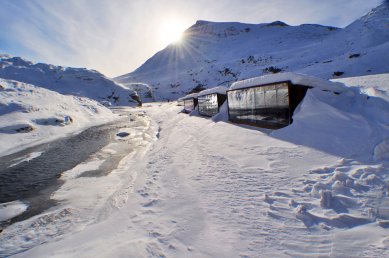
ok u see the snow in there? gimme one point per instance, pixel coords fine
(30, 115)
(218, 90)
(381, 151)
(221, 53)
(11, 209)
(294, 78)
(189, 186)
(189, 96)
(66, 80)
(373, 85)
(210, 188)
(26, 158)
(358, 122)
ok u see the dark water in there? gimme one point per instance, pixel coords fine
(34, 181)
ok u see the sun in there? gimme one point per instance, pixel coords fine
(171, 32)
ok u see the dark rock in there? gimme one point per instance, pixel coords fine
(272, 69)
(25, 129)
(122, 134)
(337, 73)
(354, 56)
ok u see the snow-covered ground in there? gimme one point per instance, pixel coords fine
(30, 115)
(203, 188)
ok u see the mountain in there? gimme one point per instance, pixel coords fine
(220, 53)
(66, 80)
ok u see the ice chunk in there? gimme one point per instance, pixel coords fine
(9, 210)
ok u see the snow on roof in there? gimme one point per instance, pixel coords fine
(219, 90)
(294, 78)
(192, 95)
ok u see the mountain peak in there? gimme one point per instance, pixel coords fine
(220, 53)
(277, 24)
(201, 23)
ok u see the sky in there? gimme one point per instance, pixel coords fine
(117, 36)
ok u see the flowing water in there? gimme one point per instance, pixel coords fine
(32, 180)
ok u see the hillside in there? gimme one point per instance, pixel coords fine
(66, 80)
(219, 53)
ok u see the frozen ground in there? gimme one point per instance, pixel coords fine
(214, 189)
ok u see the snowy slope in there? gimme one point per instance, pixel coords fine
(215, 53)
(316, 188)
(65, 80)
(30, 115)
(373, 85)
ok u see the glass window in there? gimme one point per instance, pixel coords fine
(189, 105)
(264, 105)
(270, 96)
(283, 95)
(259, 97)
(208, 105)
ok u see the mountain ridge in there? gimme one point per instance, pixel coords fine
(67, 80)
(219, 53)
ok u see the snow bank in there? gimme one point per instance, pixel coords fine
(346, 125)
(219, 90)
(373, 85)
(30, 115)
(295, 78)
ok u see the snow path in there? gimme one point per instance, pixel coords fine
(216, 198)
(208, 189)
(219, 190)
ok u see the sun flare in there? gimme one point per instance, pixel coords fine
(171, 32)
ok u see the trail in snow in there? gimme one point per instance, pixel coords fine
(217, 200)
(208, 189)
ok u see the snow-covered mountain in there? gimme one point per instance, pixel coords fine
(219, 53)
(69, 81)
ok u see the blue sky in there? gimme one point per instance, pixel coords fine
(117, 36)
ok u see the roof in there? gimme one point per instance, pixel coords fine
(294, 78)
(218, 90)
(189, 96)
